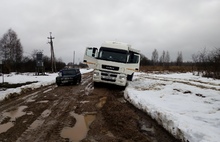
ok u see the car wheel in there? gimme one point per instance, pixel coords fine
(78, 81)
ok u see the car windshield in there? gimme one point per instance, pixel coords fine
(68, 72)
(113, 55)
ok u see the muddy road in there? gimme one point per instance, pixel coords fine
(76, 113)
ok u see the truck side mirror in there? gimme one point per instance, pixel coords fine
(94, 52)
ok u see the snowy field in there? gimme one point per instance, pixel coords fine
(29, 77)
(187, 106)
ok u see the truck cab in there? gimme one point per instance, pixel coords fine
(113, 63)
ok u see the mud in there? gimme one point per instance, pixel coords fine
(80, 129)
(77, 113)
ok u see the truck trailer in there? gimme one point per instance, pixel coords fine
(113, 63)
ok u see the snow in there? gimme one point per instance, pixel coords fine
(186, 105)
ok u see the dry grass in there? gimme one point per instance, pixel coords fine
(166, 68)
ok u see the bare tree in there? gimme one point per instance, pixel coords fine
(34, 54)
(60, 64)
(208, 63)
(144, 60)
(195, 58)
(162, 58)
(11, 50)
(167, 57)
(179, 59)
(213, 64)
(154, 57)
(200, 61)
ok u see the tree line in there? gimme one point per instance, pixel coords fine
(205, 63)
(163, 60)
(208, 63)
(13, 60)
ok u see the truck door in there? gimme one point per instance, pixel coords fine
(90, 57)
(133, 63)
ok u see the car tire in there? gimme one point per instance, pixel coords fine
(78, 81)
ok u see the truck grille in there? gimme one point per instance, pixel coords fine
(110, 67)
(105, 79)
(107, 76)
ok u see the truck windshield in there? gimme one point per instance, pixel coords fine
(113, 55)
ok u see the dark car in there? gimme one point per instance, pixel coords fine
(68, 76)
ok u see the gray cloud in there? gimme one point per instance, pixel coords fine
(169, 25)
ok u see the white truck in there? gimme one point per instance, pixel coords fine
(114, 62)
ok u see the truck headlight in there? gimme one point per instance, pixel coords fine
(122, 77)
(96, 73)
(122, 69)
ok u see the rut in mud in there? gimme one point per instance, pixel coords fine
(76, 113)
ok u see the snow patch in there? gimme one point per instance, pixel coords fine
(176, 101)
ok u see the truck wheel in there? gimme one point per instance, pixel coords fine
(130, 77)
(96, 84)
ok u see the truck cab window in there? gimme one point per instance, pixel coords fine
(133, 58)
(91, 52)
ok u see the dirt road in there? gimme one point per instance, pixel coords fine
(76, 113)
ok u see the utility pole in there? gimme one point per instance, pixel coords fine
(73, 58)
(53, 61)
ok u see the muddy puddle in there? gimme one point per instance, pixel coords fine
(5, 127)
(101, 102)
(13, 115)
(18, 112)
(80, 129)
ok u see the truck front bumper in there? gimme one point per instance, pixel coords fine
(110, 77)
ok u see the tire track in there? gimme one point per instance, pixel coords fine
(46, 113)
(203, 85)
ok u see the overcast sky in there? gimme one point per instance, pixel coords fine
(186, 26)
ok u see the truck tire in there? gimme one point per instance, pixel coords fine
(130, 77)
(96, 84)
